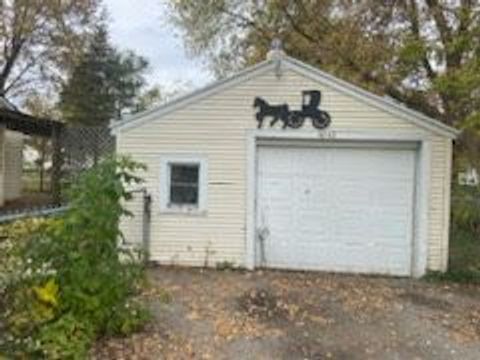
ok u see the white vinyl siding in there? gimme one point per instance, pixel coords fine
(216, 126)
(132, 226)
(11, 147)
(439, 203)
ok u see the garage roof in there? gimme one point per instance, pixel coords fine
(314, 73)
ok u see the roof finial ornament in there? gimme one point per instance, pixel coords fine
(276, 54)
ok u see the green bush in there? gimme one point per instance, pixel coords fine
(13, 238)
(465, 232)
(464, 276)
(466, 208)
(69, 282)
(464, 251)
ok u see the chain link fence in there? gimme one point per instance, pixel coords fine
(83, 147)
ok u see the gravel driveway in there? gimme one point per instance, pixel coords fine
(208, 314)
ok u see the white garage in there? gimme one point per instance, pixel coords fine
(285, 166)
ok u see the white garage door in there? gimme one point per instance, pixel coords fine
(335, 209)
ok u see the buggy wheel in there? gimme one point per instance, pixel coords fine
(321, 120)
(295, 120)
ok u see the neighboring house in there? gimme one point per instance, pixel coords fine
(11, 148)
(368, 192)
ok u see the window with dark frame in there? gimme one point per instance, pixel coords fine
(184, 184)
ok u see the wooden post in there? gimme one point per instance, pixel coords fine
(57, 163)
(2, 165)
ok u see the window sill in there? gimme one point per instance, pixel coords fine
(185, 211)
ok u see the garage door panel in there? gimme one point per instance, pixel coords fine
(308, 164)
(346, 258)
(393, 194)
(352, 195)
(336, 209)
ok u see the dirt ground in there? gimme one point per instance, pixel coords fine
(208, 314)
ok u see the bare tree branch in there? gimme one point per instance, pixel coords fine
(33, 34)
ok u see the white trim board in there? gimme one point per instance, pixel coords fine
(309, 71)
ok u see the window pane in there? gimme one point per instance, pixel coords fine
(186, 174)
(183, 195)
(184, 180)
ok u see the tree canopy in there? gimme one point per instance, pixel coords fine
(39, 39)
(103, 84)
(424, 53)
(148, 99)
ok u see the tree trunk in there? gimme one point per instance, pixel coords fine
(57, 164)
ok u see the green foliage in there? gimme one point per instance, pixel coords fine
(103, 83)
(13, 240)
(225, 265)
(68, 337)
(411, 54)
(149, 99)
(466, 209)
(75, 282)
(40, 39)
(464, 252)
(457, 276)
(129, 317)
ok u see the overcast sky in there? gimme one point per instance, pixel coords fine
(141, 26)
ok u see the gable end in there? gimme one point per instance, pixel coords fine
(304, 69)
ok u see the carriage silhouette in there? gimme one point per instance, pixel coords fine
(296, 118)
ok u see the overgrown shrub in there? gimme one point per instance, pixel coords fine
(13, 238)
(464, 251)
(68, 280)
(466, 208)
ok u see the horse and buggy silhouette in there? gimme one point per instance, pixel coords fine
(293, 118)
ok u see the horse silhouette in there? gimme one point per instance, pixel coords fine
(277, 112)
(296, 118)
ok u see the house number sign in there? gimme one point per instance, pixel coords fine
(293, 118)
